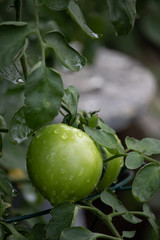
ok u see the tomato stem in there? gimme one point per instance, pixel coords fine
(23, 59)
(42, 44)
(115, 156)
(105, 218)
(151, 160)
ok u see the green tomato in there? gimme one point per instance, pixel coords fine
(63, 163)
(112, 172)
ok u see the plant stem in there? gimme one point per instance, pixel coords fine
(24, 65)
(105, 218)
(23, 59)
(42, 44)
(115, 156)
(151, 160)
(116, 214)
(100, 235)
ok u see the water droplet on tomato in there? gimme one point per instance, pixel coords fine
(70, 178)
(79, 134)
(64, 136)
(62, 170)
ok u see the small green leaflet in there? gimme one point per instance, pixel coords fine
(63, 216)
(70, 100)
(43, 96)
(1, 233)
(57, 5)
(5, 185)
(18, 129)
(15, 234)
(147, 146)
(78, 233)
(133, 160)
(38, 232)
(77, 15)
(152, 220)
(12, 74)
(12, 41)
(146, 183)
(105, 139)
(1, 145)
(101, 137)
(105, 127)
(109, 198)
(122, 15)
(3, 207)
(68, 56)
(128, 234)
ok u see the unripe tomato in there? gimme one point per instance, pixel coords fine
(113, 170)
(63, 163)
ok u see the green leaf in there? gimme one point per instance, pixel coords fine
(5, 185)
(1, 145)
(3, 207)
(150, 146)
(147, 146)
(15, 234)
(133, 144)
(109, 198)
(133, 160)
(128, 234)
(12, 41)
(146, 183)
(1, 233)
(78, 233)
(12, 74)
(63, 216)
(77, 15)
(122, 15)
(38, 232)
(105, 127)
(57, 5)
(93, 121)
(2, 122)
(152, 220)
(68, 56)
(70, 100)
(18, 130)
(103, 138)
(43, 95)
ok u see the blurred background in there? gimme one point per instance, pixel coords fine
(121, 79)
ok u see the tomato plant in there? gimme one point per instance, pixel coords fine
(64, 163)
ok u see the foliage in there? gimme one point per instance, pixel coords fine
(32, 95)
